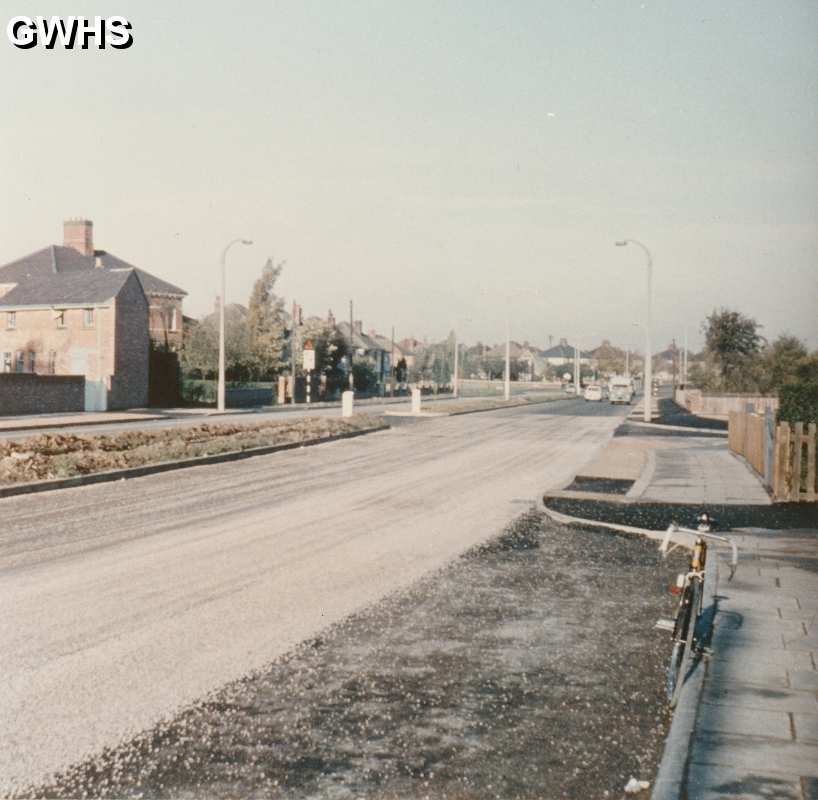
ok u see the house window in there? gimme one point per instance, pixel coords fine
(88, 317)
(52, 362)
(32, 361)
(20, 365)
(11, 320)
(6, 362)
(61, 319)
(174, 322)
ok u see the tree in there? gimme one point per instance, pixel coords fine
(401, 371)
(200, 349)
(780, 363)
(265, 324)
(733, 343)
(330, 351)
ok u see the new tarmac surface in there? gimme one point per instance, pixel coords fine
(131, 600)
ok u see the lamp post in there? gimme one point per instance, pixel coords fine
(221, 392)
(648, 397)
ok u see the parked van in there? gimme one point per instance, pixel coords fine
(593, 392)
(621, 390)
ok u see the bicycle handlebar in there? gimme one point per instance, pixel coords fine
(674, 528)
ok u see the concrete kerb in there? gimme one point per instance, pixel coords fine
(672, 773)
(80, 423)
(685, 428)
(671, 778)
(168, 466)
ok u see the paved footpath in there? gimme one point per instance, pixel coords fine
(756, 733)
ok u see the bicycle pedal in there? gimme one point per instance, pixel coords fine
(664, 624)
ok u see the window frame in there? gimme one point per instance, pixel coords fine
(11, 320)
(88, 318)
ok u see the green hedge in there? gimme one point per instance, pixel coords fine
(798, 402)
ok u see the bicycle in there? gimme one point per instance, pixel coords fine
(690, 587)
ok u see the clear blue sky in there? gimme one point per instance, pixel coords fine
(425, 157)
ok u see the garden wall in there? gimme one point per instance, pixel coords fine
(27, 393)
(720, 405)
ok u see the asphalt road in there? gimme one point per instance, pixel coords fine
(131, 600)
(248, 417)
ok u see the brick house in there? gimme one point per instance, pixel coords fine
(82, 322)
(77, 254)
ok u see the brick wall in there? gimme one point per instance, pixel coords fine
(129, 384)
(166, 320)
(22, 393)
(77, 349)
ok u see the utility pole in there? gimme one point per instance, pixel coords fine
(627, 363)
(294, 347)
(392, 365)
(456, 382)
(577, 375)
(351, 347)
(507, 386)
(684, 362)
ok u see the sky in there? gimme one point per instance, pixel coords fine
(446, 164)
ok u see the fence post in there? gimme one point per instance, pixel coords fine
(811, 431)
(796, 461)
(769, 445)
(780, 464)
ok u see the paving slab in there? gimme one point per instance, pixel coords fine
(748, 721)
(760, 697)
(806, 727)
(707, 782)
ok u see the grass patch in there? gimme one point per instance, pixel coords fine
(64, 455)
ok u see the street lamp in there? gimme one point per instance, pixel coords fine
(648, 356)
(221, 391)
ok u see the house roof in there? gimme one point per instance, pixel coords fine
(563, 351)
(70, 288)
(360, 340)
(59, 260)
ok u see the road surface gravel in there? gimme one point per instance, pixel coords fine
(132, 600)
(529, 667)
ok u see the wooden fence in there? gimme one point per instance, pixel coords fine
(783, 455)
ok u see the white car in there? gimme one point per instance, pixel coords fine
(593, 393)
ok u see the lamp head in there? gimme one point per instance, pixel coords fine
(621, 243)
(246, 241)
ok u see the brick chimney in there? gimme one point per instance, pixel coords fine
(79, 234)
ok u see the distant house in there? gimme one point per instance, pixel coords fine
(79, 322)
(564, 354)
(77, 254)
(369, 348)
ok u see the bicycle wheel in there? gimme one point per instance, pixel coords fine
(684, 640)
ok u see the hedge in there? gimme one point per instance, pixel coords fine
(798, 402)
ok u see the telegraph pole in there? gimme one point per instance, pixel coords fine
(351, 347)
(392, 366)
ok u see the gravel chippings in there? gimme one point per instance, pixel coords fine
(528, 668)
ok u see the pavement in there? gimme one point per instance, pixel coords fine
(755, 733)
(133, 599)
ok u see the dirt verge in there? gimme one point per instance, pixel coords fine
(54, 455)
(529, 668)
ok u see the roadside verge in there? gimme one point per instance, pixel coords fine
(167, 466)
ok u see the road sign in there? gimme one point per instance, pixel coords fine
(309, 355)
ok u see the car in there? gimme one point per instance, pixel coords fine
(570, 389)
(593, 392)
